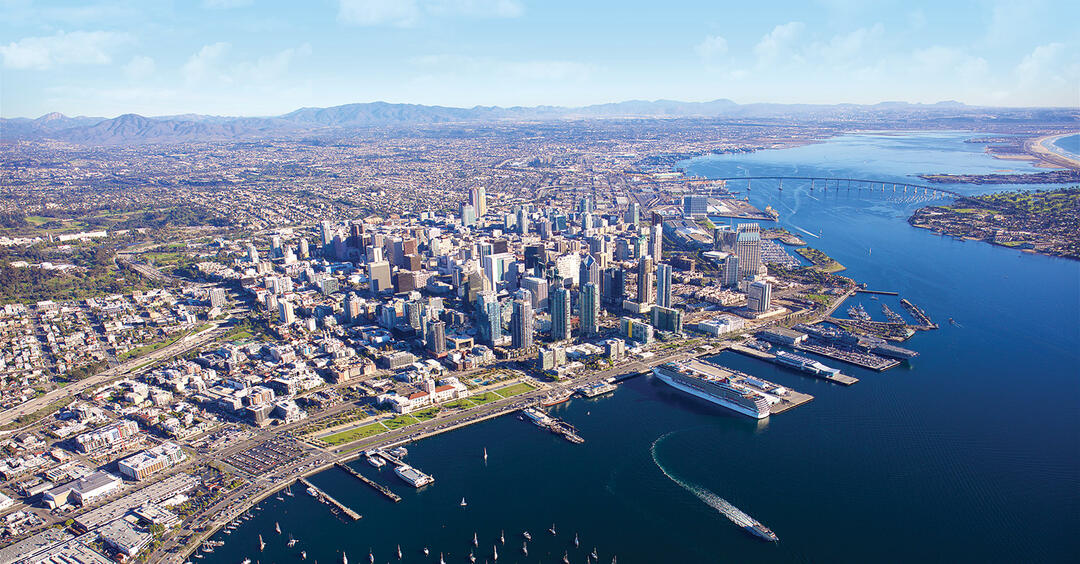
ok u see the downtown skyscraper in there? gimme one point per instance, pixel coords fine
(559, 304)
(590, 310)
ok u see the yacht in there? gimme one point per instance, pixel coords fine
(475, 542)
(525, 549)
(527, 536)
(463, 504)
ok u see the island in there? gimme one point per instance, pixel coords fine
(1043, 221)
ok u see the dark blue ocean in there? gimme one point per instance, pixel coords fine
(970, 452)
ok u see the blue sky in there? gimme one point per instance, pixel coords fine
(254, 57)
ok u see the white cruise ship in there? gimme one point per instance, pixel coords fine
(412, 476)
(720, 390)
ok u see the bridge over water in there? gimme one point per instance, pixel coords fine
(839, 183)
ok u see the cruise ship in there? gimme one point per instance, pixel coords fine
(804, 364)
(720, 390)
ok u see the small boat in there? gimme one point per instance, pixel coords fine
(199, 556)
(475, 542)
(371, 557)
(291, 543)
(502, 537)
(277, 527)
(577, 542)
(441, 559)
(463, 504)
(228, 531)
(565, 558)
(288, 491)
(262, 544)
(525, 549)
(399, 552)
(527, 536)
(303, 555)
(494, 552)
(552, 529)
(344, 558)
(312, 492)
(472, 557)
(426, 551)
(485, 454)
(245, 561)
(612, 560)
(279, 498)
(593, 554)
(376, 461)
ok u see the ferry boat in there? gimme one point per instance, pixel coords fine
(412, 476)
(716, 389)
(312, 492)
(804, 364)
(539, 418)
(761, 531)
(597, 389)
(376, 461)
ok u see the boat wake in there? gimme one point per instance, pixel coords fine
(814, 235)
(721, 505)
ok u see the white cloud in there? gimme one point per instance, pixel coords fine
(406, 13)
(1041, 64)
(139, 67)
(206, 64)
(712, 46)
(211, 64)
(778, 42)
(948, 61)
(77, 47)
(844, 48)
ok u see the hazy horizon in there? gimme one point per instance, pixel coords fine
(248, 58)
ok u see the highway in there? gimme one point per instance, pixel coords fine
(180, 347)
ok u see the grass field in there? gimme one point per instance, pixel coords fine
(515, 389)
(362, 432)
(400, 421)
(486, 397)
(426, 414)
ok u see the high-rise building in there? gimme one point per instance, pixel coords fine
(468, 215)
(521, 324)
(379, 275)
(667, 319)
(724, 239)
(585, 205)
(559, 299)
(633, 214)
(285, 312)
(663, 285)
(490, 321)
(645, 277)
(523, 221)
(590, 310)
(589, 271)
(478, 200)
(326, 233)
(437, 338)
(635, 330)
(613, 290)
(758, 297)
(538, 288)
(729, 270)
(352, 308)
(252, 254)
(495, 267)
(748, 247)
(217, 297)
(304, 251)
(656, 241)
(695, 205)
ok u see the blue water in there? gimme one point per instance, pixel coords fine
(971, 452)
(1070, 145)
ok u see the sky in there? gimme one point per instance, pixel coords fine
(256, 57)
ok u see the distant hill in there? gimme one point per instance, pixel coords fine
(136, 129)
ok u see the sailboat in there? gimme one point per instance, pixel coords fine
(577, 542)
(565, 557)
(494, 552)
(344, 558)
(463, 504)
(552, 529)
(303, 555)
(525, 549)
(399, 552)
(475, 542)
(262, 544)
(594, 555)
(485, 454)
(502, 537)
(277, 527)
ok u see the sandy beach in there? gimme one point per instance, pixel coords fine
(1042, 148)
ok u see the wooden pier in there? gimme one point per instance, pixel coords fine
(378, 487)
(325, 496)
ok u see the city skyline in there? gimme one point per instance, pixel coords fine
(248, 58)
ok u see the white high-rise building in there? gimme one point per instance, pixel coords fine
(758, 297)
(748, 248)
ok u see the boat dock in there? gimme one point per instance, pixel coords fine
(326, 497)
(378, 487)
(781, 398)
(879, 292)
(752, 352)
(863, 360)
(918, 314)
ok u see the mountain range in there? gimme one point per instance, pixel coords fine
(136, 129)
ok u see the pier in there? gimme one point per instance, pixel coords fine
(326, 497)
(918, 314)
(879, 292)
(860, 359)
(378, 487)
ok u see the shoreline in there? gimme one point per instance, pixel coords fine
(1039, 147)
